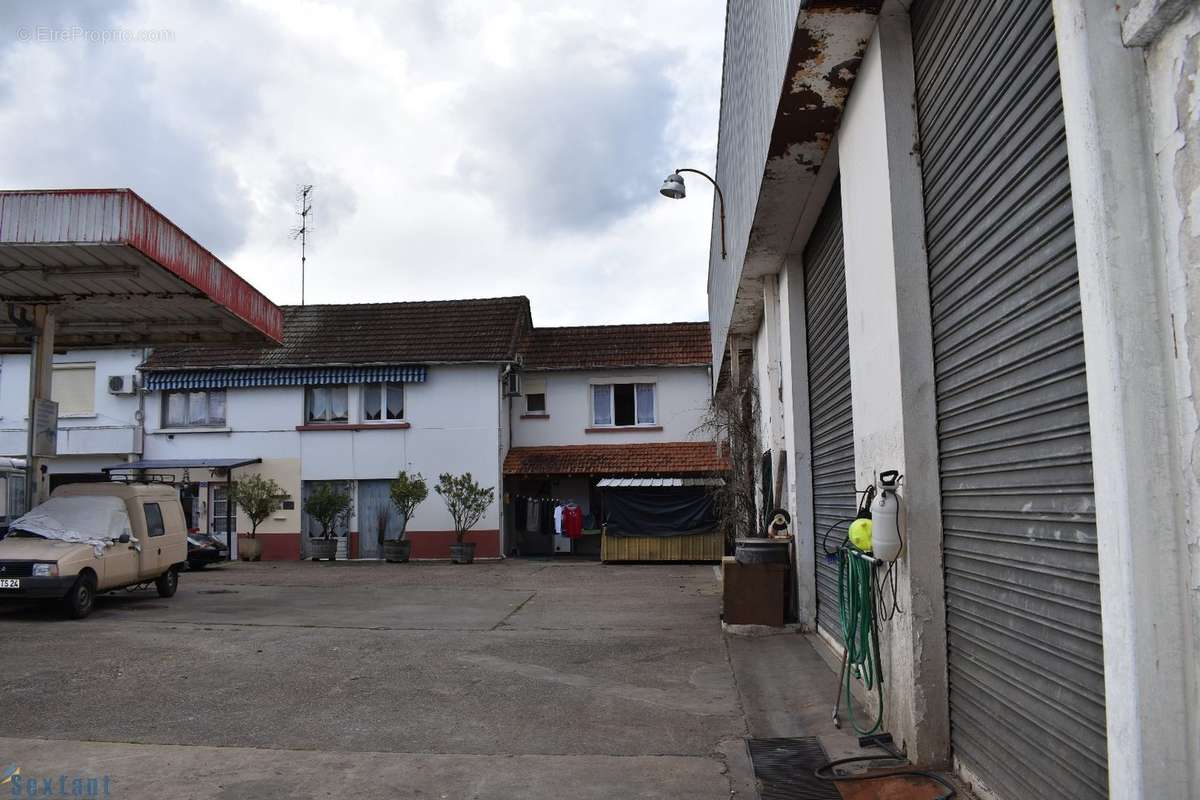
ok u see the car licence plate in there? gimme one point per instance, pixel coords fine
(10, 583)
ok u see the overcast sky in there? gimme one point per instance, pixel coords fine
(459, 148)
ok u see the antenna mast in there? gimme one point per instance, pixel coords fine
(301, 231)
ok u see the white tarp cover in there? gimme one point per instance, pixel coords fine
(98, 521)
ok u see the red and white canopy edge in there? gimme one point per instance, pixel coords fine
(100, 267)
(113, 271)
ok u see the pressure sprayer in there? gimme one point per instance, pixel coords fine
(872, 543)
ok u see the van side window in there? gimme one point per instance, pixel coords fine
(154, 519)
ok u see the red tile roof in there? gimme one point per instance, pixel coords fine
(373, 333)
(668, 459)
(615, 346)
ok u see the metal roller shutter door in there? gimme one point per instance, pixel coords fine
(830, 418)
(1022, 588)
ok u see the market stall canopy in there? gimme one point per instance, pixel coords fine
(117, 272)
(657, 483)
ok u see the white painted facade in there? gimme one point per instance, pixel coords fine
(108, 434)
(454, 417)
(681, 401)
(1133, 125)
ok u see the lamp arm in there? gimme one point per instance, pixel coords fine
(720, 201)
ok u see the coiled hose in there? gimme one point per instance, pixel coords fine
(856, 609)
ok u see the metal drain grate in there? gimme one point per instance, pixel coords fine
(784, 768)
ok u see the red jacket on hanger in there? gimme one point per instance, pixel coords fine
(572, 522)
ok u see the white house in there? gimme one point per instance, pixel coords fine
(99, 410)
(603, 402)
(356, 393)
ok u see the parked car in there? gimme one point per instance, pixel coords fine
(204, 549)
(90, 538)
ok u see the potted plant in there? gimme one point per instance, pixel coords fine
(466, 501)
(407, 492)
(258, 498)
(329, 508)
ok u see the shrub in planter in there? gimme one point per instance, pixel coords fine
(329, 508)
(467, 502)
(258, 498)
(407, 492)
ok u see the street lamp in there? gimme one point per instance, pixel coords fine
(673, 187)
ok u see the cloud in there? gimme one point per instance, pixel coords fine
(569, 137)
(458, 148)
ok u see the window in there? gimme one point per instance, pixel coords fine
(73, 387)
(197, 408)
(535, 395)
(326, 404)
(223, 512)
(154, 519)
(623, 404)
(383, 401)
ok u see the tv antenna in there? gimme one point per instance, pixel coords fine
(301, 231)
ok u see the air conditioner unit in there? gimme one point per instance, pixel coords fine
(122, 384)
(512, 382)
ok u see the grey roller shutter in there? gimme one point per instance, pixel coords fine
(1022, 589)
(830, 414)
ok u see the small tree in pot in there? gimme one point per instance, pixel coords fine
(259, 498)
(407, 492)
(467, 502)
(330, 509)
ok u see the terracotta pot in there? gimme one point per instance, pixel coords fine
(322, 548)
(250, 550)
(462, 552)
(397, 551)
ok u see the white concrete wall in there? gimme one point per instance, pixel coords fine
(891, 371)
(108, 435)
(1135, 195)
(1173, 65)
(682, 398)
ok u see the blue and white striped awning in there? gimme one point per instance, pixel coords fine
(169, 380)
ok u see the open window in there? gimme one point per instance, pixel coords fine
(622, 405)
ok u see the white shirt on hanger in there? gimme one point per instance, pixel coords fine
(558, 509)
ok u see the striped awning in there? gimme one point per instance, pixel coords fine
(169, 380)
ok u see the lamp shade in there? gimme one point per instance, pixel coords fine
(673, 187)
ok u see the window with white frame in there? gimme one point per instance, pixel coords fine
(326, 404)
(383, 402)
(73, 387)
(196, 408)
(622, 405)
(535, 395)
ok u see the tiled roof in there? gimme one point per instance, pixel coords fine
(373, 333)
(668, 459)
(613, 346)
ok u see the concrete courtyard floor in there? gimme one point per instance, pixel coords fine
(515, 679)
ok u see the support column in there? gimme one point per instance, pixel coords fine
(1128, 341)
(793, 351)
(41, 376)
(891, 372)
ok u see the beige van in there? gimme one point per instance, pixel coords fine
(90, 538)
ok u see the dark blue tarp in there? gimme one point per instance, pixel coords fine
(651, 511)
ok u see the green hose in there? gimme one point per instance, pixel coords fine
(857, 612)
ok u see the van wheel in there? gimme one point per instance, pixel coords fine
(167, 583)
(80, 601)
